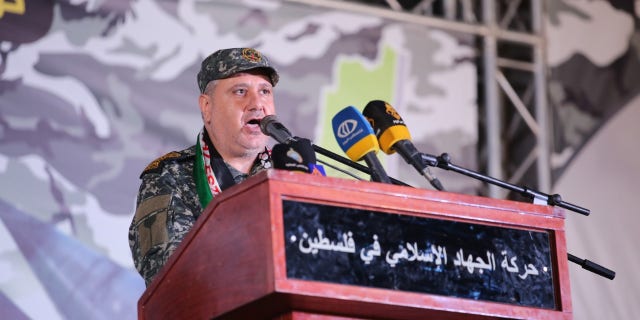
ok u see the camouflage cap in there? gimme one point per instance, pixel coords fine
(227, 62)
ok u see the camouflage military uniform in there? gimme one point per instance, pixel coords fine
(168, 203)
(167, 208)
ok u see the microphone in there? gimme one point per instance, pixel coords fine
(393, 136)
(297, 156)
(355, 136)
(270, 126)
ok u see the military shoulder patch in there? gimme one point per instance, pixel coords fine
(156, 164)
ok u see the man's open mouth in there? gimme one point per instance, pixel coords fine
(255, 121)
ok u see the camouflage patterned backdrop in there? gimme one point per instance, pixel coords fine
(99, 89)
(91, 91)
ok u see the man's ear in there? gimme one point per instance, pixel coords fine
(205, 107)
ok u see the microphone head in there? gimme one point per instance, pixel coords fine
(387, 123)
(353, 133)
(296, 156)
(265, 122)
(270, 126)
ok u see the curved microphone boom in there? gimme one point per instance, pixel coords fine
(355, 137)
(393, 136)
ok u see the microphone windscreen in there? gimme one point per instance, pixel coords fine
(387, 124)
(270, 126)
(297, 156)
(354, 134)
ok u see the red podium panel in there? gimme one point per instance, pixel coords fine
(233, 265)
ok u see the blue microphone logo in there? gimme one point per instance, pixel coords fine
(350, 127)
(346, 128)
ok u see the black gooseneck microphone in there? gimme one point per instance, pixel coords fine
(270, 126)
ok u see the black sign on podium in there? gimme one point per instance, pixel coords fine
(418, 254)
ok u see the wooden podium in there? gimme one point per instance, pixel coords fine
(285, 245)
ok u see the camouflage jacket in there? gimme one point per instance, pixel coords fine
(166, 209)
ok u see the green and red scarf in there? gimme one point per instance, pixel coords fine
(211, 173)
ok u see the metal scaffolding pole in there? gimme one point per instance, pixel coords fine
(541, 105)
(493, 127)
(433, 22)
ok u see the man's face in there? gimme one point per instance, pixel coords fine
(232, 111)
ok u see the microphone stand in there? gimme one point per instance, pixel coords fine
(351, 164)
(593, 267)
(444, 162)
